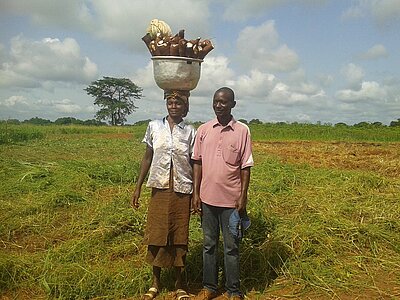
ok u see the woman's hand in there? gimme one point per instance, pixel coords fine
(135, 198)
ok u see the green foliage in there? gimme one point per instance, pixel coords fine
(10, 121)
(312, 132)
(67, 120)
(10, 134)
(37, 121)
(115, 97)
(395, 123)
(255, 121)
(142, 122)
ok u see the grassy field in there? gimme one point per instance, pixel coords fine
(324, 204)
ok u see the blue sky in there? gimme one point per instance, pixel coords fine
(292, 61)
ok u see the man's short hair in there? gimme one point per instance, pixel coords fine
(228, 91)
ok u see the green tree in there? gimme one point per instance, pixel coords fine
(142, 122)
(340, 124)
(10, 121)
(362, 124)
(255, 121)
(116, 98)
(67, 121)
(94, 122)
(378, 124)
(37, 121)
(395, 123)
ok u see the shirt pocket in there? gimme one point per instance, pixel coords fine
(182, 147)
(184, 141)
(231, 154)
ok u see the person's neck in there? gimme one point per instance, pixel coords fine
(224, 120)
(173, 120)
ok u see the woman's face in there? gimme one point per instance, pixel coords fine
(175, 107)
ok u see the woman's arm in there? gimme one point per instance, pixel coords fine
(144, 169)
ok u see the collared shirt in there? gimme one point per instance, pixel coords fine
(169, 147)
(223, 151)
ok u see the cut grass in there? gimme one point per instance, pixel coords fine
(320, 229)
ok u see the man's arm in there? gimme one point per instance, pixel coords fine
(197, 176)
(245, 181)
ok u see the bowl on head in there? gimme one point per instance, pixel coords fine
(176, 72)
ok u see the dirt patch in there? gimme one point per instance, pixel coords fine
(381, 158)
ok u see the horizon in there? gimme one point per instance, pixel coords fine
(393, 123)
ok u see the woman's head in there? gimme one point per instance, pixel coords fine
(177, 103)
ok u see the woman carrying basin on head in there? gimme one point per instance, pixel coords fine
(167, 159)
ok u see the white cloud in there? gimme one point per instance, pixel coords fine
(32, 63)
(281, 94)
(121, 21)
(303, 117)
(239, 10)
(13, 101)
(257, 84)
(385, 10)
(49, 12)
(26, 107)
(259, 47)
(144, 77)
(381, 11)
(354, 12)
(9, 78)
(254, 87)
(375, 52)
(353, 74)
(67, 106)
(215, 72)
(369, 91)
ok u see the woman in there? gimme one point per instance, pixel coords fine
(167, 157)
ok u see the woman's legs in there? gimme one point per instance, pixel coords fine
(156, 277)
(180, 286)
(155, 285)
(178, 273)
(179, 278)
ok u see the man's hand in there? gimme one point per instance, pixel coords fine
(242, 201)
(196, 204)
(241, 204)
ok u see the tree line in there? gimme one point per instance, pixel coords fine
(95, 122)
(116, 98)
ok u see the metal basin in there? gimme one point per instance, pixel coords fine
(176, 72)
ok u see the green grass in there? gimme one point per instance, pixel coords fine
(67, 230)
(312, 132)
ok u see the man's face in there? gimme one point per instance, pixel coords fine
(223, 104)
(175, 107)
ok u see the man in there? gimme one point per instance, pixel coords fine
(222, 159)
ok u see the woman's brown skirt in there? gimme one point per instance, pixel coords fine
(167, 228)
